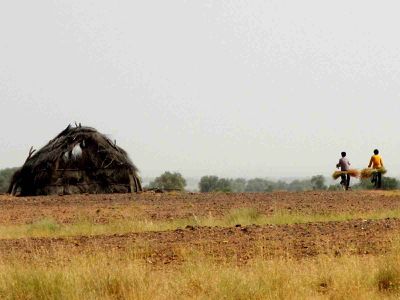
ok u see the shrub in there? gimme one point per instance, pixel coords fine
(208, 184)
(318, 182)
(169, 181)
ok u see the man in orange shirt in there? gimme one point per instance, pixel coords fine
(376, 162)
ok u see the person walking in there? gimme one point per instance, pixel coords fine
(376, 163)
(344, 166)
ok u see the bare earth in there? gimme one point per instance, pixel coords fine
(167, 206)
(243, 243)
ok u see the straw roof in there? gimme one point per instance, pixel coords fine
(78, 160)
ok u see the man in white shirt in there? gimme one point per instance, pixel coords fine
(344, 165)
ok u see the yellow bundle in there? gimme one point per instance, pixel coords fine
(368, 173)
(352, 173)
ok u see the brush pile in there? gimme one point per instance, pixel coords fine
(78, 160)
(352, 173)
(368, 172)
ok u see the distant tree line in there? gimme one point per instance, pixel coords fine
(5, 178)
(240, 185)
(388, 183)
(316, 183)
(175, 181)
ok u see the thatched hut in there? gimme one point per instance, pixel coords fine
(78, 160)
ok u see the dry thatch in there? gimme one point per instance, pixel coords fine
(353, 173)
(78, 160)
(369, 172)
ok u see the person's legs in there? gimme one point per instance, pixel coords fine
(347, 181)
(373, 179)
(379, 180)
(343, 181)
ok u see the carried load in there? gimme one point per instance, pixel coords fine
(370, 172)
(353, 173)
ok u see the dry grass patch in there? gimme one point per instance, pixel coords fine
(104, 275)
(48, 227)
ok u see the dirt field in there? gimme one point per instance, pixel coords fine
(357, 236)
(169, 206)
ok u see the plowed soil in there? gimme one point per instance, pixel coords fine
(166, 206)
(243, 243)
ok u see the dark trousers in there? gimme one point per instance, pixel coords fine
(345, 180)
(377, 180)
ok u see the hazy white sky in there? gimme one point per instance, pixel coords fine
(232, 88)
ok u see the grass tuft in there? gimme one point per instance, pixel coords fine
(32, 284)
(244, 216)
(388, 278)
(43, 226)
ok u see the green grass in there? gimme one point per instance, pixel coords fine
(247, 216)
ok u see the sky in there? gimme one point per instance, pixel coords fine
(230, 88)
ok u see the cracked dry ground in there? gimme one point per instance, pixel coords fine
(243, 243)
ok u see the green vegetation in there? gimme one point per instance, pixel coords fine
(388, 183)
(215, 184)
(169, 181)
(5, 178)
(208, 184)
(318, 183)
(260, 185)
(212, 183)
